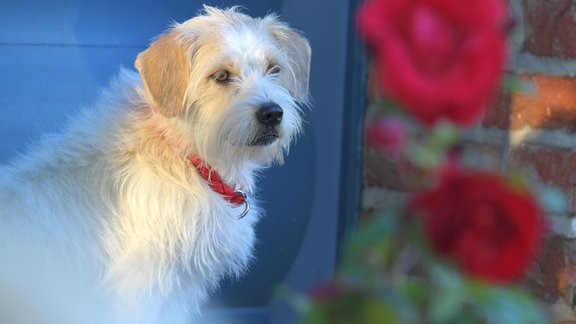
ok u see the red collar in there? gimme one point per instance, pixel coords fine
(234, 196)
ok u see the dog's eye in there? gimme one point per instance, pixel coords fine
(273, 69)
(221, 76)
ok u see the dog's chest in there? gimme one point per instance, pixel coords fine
(224, 242)
(185, 252)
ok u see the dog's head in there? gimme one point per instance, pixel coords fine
(230, 84)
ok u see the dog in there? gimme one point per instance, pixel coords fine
(142, 205)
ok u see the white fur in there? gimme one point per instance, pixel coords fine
(108, 222)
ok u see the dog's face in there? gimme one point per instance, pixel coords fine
(230, 83)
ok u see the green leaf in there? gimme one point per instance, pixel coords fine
(449, 297)
(301, 303)
(377, 312)
(352, 307)
(424, 156)
(513, 84)
(389, 107)
(516, 180)
(378, 230)
(507, 305)
(444, 135)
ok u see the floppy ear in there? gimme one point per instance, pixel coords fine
(165, 69)
(298, 52)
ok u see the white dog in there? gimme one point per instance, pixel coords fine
(138, 209)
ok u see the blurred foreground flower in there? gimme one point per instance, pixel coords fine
(388, 134)
(480, 222)
(439, 59)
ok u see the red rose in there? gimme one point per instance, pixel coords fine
(388, 134)
(477, 220)
(439, 59)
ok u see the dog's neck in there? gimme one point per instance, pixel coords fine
(235, 196)
(231, 192)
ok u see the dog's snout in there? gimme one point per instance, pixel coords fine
(270, 115)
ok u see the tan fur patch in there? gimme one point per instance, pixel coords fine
(165, 69)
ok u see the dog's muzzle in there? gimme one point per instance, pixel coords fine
(269, 116)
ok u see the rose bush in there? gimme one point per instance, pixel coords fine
(439, 59)
(451, 248)
(476, 219)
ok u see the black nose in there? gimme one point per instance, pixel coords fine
(270, 115)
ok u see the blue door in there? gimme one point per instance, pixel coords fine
(56, 55)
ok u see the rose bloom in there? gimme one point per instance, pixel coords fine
(477, 220)
(387, 133)
(439, 59)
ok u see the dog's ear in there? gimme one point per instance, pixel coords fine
(165, 71)
(298, 52)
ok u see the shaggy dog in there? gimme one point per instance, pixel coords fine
(136, 211)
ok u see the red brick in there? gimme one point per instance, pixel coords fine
(553, 276)
(499, 114)
(551, 164)
(550, 25)
(554, 167)
(555, 269)
(382, 170)
(551, 105)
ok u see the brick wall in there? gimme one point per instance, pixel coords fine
(534, 131)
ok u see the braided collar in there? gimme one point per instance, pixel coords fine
(234, 196)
